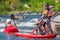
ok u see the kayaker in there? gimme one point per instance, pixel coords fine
(10, 28)
(12, 19)
(46, 15)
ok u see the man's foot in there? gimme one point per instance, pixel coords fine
(42, 33)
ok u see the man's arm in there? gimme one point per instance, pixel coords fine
(51, 13)
(42, 14)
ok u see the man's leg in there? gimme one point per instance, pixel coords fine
(40, 29)
(49, 26)
(44, 26)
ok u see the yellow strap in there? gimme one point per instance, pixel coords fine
(45, 12)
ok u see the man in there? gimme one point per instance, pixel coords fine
(47, 14)
(9, 28)
(12, 20)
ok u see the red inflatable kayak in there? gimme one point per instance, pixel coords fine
(13, 30)
(35, 36)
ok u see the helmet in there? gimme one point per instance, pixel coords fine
(46, 4)
(8, 20)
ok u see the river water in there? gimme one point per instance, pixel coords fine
(23, 29)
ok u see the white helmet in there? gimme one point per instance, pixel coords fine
(8, 20)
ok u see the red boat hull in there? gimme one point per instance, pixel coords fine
(13, 30)
(35, 36)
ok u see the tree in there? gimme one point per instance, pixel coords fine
(13, 4)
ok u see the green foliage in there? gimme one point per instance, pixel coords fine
(34, 5)
(57, 6)
(2, 7)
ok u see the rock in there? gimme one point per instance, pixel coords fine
(55, 24)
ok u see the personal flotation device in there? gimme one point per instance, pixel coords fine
(10, 29)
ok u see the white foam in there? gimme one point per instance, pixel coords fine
(58, 35)
(21, 33)
(28, 23)
(25, 30)
(1, 30)
(2, 25)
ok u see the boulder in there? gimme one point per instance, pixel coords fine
(55, 24)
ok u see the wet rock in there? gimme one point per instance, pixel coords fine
(56, 24)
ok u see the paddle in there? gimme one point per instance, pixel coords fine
(12, 18)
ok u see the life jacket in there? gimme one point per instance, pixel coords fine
(48, 13)
(10, 29)
(45, 13)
